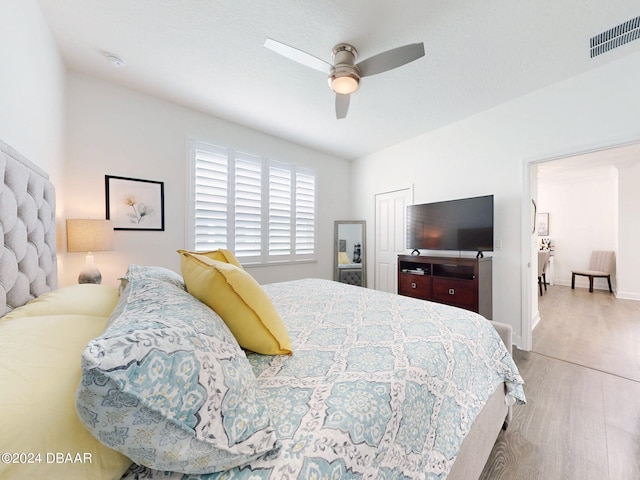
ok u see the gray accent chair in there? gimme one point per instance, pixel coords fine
(600, 266)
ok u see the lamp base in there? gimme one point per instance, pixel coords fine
(90, 277)
(90, 273)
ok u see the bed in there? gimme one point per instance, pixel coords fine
(159, 379)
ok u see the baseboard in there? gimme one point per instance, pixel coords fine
(585, 284)
(628, 296)
(516, 340)
(605, 288)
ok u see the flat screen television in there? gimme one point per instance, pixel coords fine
(464, 224)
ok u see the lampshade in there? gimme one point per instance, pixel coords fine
(89, 235)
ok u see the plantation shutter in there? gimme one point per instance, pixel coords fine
(211, 194)
(305, 213)
(280, 208)
(248, 207)
(260, 209)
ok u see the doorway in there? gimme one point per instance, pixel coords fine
(618, 155)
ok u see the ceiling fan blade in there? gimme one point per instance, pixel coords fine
(298, 56)
(342, 105)
(390, 59)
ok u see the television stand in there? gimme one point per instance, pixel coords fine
(464, 282)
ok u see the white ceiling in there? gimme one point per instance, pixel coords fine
(590, 163)
(209, 55)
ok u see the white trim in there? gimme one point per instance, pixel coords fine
(190, 201)
(628, 296)
(535, 320)
(524, 341)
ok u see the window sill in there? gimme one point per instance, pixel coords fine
(277, 263)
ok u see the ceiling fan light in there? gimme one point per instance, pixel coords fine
(344, 84)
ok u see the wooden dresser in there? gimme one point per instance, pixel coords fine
(463, 282)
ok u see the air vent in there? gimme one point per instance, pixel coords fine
(615, 37)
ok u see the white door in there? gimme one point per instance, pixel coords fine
(390, 232)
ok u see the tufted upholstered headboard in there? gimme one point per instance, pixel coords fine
(28, 266)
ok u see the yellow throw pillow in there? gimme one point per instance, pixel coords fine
(343, 259)
(220, 255)
(39, 375)
(241, 302)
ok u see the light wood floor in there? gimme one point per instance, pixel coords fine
(582, 418)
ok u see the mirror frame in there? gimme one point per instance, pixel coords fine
(363, 247)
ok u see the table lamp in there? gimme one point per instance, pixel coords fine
(88, 235)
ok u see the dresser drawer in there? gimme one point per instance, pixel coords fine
(418, 286)
(456, 292)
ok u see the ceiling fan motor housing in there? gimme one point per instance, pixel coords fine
(345, 76)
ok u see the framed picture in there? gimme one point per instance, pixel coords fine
(134, 204)
(542, 224)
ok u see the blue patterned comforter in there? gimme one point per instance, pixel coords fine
(379, 386)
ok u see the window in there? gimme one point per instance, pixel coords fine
(260, 209)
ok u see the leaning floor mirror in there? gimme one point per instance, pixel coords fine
(350, 258)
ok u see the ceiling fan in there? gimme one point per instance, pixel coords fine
(344, 75)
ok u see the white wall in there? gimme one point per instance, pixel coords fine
(583, 216)
(628, 264)
(32, 88)
(115, 131)
(490, 152)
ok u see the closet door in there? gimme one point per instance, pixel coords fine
(390, 232)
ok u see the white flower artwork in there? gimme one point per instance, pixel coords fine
(134, 204)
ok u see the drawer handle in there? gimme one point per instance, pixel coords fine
(413, 285)
(452, 291)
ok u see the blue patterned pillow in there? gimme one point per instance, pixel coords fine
(158, 273)
(167, 384)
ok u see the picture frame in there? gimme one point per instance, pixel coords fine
(542, 224)
(134, 203)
